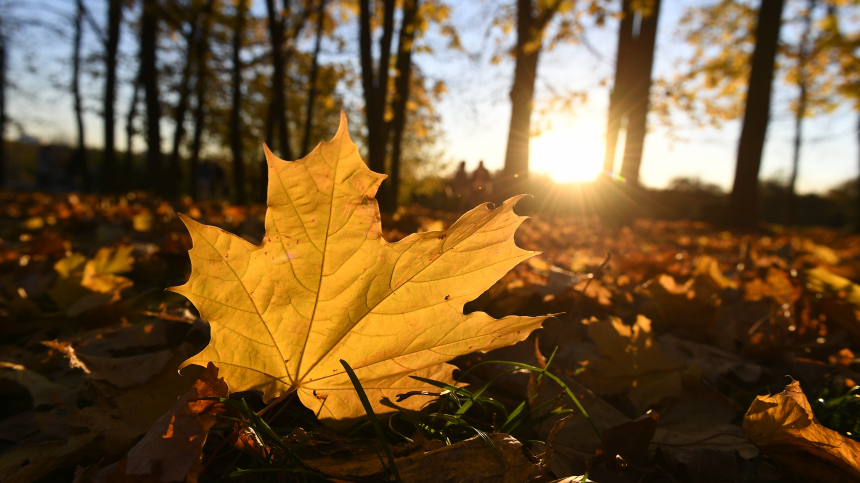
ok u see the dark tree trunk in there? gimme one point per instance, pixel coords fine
(79, 160)
(182, 104)
(640, 87)
(620, 89)
(522, 93)
(312, 81)
(743, 204)
(149, 79)
(368, 84)
(2, 107)
(791, 205)
(108, 181)
(530, 26)
(129, 135)
(278, 107)
(174, 164)
(401, 88)
(375, 85)
(236, 108)
(201, 51)
(802, 84)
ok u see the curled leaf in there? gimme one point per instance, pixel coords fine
(784, 427)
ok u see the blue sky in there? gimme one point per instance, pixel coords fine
(476, 110)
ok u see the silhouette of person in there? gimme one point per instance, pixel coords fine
(482, 185)
(461, 186)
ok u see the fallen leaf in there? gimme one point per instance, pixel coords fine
(708, 361)
(173, 447)
(821, 280)
(324, 286)
(708, 269)
(628, 441)
(705, 465)
(100, 273)
(120, 371)
(67, 266)
(422, 460)
(784, 427)
(43, 391)
(576, 442)
(27, 463)
(79, 290)
(631, 362)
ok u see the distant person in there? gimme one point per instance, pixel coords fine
(461, 187)
(482, 185)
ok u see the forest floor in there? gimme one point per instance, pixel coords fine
(667, 334)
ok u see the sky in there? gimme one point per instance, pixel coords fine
(478, 112)
(475, 111)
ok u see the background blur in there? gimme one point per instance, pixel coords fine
(733, 111)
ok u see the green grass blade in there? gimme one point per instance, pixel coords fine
(468, 404)
(369, 410)
(549, 375)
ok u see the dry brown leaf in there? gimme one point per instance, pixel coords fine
(631, 363)
(708, 361)
(628, 441)
(42, 389)
(784, 427)
(173, 448)
(28, 463)
(423, 460)
(576, 442)
(122, 372)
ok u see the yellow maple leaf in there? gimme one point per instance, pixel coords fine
(324, 285)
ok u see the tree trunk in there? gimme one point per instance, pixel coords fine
(149, 79)
(642, 62)
(802, 84)
(368, 84)
(791, 205)
(278, 107)
(235, 114)
(129, 135)
(108, 181)
(401, 93)
(522, 93)
(200, 53)
(620, 89)
(79, 160)
(182, 104)
(312, 81)
(530, 26)
(743, 204)
(179, 126)
(2, 107)
(375, 84)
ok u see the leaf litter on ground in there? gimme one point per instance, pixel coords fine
(728, 315)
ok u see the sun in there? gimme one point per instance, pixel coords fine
(570, 154)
